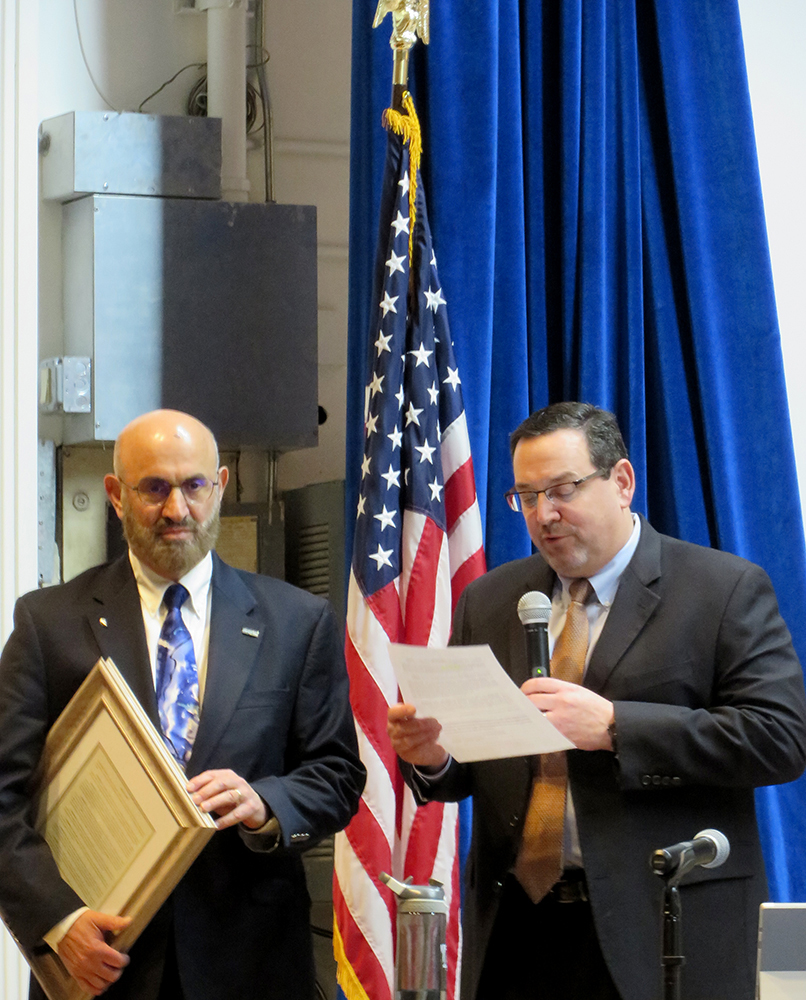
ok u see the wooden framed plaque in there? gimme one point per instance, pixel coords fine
(115, 812)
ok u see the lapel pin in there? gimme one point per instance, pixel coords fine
(102, 621)
(254, 632)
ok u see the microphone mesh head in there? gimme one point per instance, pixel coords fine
(722, 846)
(534, 608)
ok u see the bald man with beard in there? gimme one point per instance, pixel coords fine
(274, 758)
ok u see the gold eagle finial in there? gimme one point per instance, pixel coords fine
(410, 21)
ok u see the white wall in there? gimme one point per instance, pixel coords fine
(310, 83)
(18, 442)
(774, 36)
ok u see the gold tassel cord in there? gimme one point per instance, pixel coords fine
(408, 126)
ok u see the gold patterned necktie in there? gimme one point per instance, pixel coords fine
(539, 863)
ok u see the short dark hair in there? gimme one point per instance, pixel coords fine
(601, 430)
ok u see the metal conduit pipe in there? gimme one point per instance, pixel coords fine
(226, 89)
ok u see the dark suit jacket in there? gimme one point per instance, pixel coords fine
(709, 703)
(275, 710)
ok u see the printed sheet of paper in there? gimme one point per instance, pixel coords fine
(484, 716)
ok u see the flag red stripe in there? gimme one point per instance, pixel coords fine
(371, 847)
(369, 706)
(423, 842)
(460, 493)
(422, 585)
(361, 957)
(385, 606)
(469, 570)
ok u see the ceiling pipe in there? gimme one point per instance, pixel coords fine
(226, 89)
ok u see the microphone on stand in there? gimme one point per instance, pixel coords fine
(534, 610)
(709, 848)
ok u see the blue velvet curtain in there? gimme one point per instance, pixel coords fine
(596, 208)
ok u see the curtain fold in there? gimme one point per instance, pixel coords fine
(597, 216)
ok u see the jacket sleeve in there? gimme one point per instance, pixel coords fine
(321, 785)
(730, 708)
(33, 896)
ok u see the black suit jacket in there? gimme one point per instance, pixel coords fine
(275, 710)
(709, 703)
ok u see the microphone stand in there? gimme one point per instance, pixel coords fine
(672, 959)
(663, 864)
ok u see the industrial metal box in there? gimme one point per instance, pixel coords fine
(203, 306)
(109, 152)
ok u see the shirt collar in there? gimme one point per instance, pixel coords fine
(605, 582)
(152, 586)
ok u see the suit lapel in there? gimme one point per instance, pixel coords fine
(236, 636)
(116, 619)
(634, 604)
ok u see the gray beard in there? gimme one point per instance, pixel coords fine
(171, 558)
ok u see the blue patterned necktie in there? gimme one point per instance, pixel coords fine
(177, 678)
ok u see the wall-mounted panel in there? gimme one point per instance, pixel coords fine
(209, 307)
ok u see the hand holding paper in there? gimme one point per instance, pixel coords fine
(482, 713)
(415, 739)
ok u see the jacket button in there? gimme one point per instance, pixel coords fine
(514, 820)
(646, 779)
(655, 779)
(666, 780)
(677, 781)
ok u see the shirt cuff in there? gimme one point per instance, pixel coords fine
(270, 828)
(431, 774)
(55, 934)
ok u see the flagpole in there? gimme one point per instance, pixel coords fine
(410, 21)
(417, 543)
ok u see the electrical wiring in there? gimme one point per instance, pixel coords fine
(196, 104)
(159, 89)
(193, 103)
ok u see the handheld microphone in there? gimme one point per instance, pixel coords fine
(709, 848)
(534, 610)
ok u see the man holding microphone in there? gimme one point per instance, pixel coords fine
(674, 676)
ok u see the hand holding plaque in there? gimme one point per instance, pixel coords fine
(121, 825)
(87, 956)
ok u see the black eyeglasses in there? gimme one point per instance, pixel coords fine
(155, 492)
(521, 500)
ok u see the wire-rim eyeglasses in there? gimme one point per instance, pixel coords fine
(560, 493)
(154, 491)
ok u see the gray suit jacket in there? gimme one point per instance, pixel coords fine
(709, 703)
(276, 711)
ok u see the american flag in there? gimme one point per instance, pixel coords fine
(417, 543)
